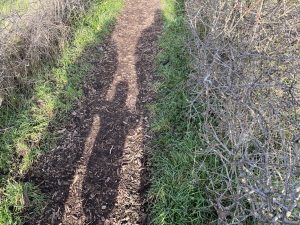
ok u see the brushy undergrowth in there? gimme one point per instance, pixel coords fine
(25, 119)
(32, 33)
(246, 72)
(177, 192)
(227, 116)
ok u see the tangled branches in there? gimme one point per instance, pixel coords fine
(247, 73)
(32, 32)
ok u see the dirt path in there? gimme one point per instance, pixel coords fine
(98, 173)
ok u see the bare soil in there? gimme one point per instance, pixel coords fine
(98, 173)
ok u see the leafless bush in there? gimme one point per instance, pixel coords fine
(31, 36)
(247, 73)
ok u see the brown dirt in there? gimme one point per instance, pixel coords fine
(98, 172)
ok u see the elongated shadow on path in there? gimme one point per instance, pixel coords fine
(102, 181)
(54, 172)
(82, 175)
(103, 170)
(146, 52)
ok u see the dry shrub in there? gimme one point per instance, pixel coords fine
(247, 73)
(31, 36)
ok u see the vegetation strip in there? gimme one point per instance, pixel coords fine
(177, 192)
(25, 121)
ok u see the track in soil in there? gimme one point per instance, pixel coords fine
(98, 172)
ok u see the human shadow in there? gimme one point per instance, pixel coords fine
(100, 186)
(54, 172)
(146, 52)
(101, 183)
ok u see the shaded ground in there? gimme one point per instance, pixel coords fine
(98, 172)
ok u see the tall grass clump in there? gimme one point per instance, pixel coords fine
(246, 79)
(32, 33)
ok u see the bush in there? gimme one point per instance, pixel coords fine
(246, 80)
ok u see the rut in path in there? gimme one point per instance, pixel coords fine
(98, 172)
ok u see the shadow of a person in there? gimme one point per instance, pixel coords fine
(100, 185)
(53, 173)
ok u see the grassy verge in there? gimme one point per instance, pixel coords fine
(24, 122)
(178, 186)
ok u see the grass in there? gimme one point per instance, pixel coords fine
(13, 6)
(177, 192)
(25, 120)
